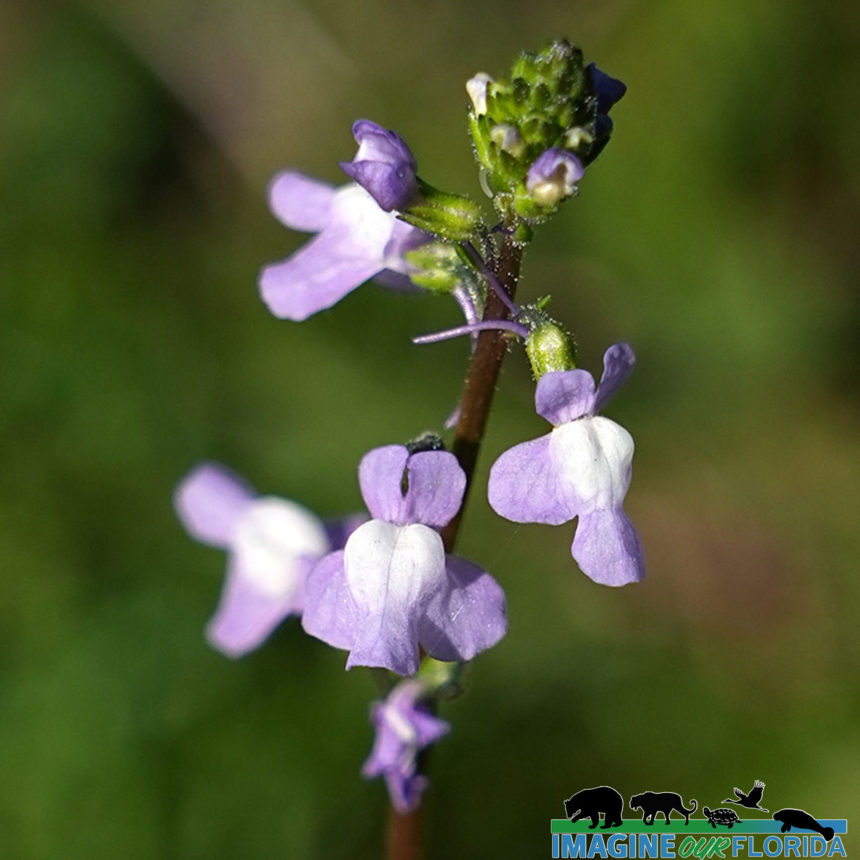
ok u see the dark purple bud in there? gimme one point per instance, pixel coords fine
(553, 177)
(608, 90)
(384, 166)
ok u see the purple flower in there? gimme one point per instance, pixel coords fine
(356, 241)
(608, 91)
(272, 545)
(403, 728)
(553, 176)
(581, 469)
(392, 588)
(383, 165)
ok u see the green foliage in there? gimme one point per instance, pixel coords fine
(133, 344)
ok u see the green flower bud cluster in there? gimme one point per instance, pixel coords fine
(548, 102)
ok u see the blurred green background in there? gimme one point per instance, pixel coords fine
(717, 234)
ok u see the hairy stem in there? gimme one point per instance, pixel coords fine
(404, 831)
(480, 385)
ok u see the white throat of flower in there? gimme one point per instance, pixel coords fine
(370, 226)
(593, 454)
(558, 186)
(270, 540)
(391, 568)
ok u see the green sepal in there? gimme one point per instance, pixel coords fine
(550, 347)
(440, 267)
(526, 207)
(441, 680)
(434, 266)
(523, 233)
(479, 129)
(451, 216)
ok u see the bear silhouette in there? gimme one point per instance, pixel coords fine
(592, 802)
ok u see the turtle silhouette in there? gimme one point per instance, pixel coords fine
(728, 817)
(751, 799)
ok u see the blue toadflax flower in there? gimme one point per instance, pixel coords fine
(392, 588)
(356, 240)
(403, 728)
(581, 469)
(272, 544)
(384, 165)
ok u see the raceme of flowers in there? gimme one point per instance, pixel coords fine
(385, 586)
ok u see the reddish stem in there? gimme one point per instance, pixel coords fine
(404, 831)
(480, 385)
(404, 835)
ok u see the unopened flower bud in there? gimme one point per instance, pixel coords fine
(476, 87)
(508, 139)
(553, 177)
(578, 137)
(608, 90)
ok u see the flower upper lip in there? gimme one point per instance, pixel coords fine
(384, 165)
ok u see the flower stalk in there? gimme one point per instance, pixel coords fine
(385, 586)
(482, 375)
(404, 831)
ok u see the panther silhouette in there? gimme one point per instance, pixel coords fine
(653, 802)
